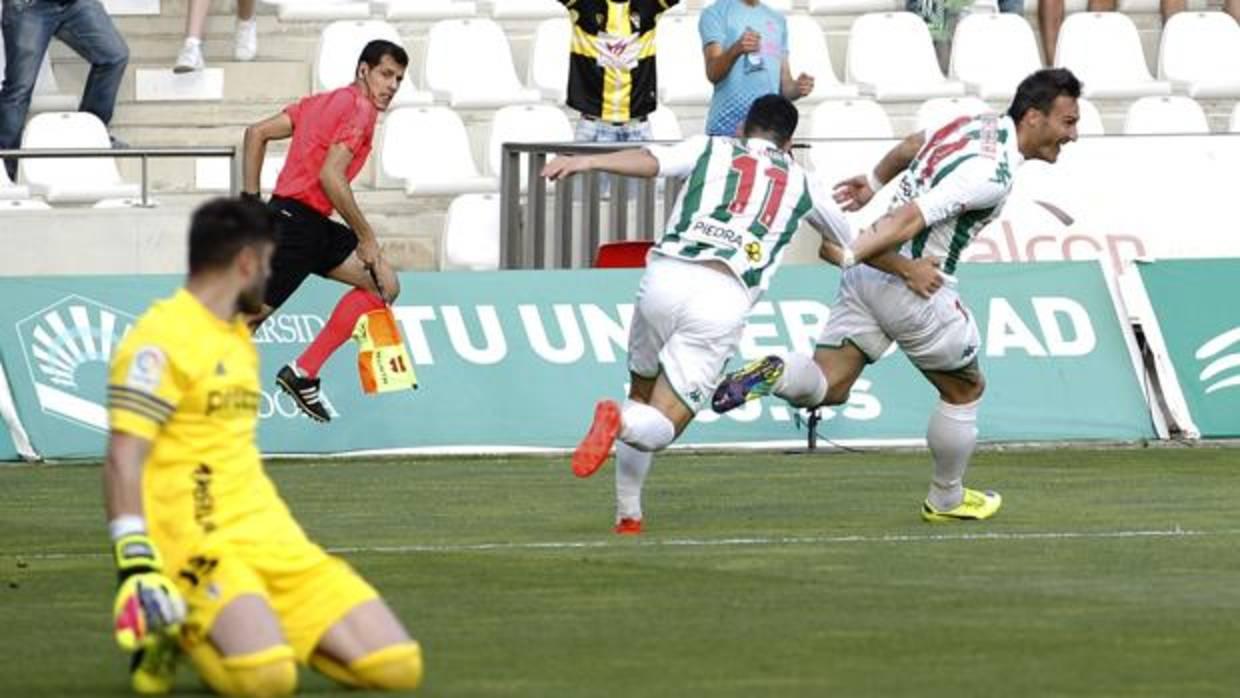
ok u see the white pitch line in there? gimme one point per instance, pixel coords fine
(721, 542)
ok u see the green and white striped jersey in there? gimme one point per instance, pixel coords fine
(960, 180)
(741, 204)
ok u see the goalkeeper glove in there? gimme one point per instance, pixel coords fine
(148, 604)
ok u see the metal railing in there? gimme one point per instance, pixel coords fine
(143, 154)
(525, 240)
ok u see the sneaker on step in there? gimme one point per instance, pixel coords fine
(305, 392)
(246, 47)
(975, 506)
(190, 58)
(753, 381)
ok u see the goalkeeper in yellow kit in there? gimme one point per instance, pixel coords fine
(211, 563)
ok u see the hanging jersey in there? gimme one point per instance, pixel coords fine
(611, 72)
(959, 179)
(741, 205)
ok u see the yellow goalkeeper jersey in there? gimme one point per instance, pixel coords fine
(188, 382)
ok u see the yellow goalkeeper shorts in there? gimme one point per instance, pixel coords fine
(309, 590)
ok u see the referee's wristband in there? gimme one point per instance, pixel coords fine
(849, 259)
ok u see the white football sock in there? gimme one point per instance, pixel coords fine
(631, 468)
(645, 428)
(802, 383)
(952, 437)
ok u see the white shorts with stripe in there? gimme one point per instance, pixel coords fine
(688, 323)
(874, 308)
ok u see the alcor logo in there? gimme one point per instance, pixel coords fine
(1226, 362)
(67, 348)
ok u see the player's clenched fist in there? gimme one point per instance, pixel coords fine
(148, 604)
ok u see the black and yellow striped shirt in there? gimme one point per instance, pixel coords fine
(612, 68)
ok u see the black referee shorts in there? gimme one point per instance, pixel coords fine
(309, 243)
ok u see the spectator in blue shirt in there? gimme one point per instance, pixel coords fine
(746, 47)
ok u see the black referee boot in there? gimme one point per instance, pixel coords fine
(305, 392)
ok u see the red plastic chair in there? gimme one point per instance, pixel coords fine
(623, 254)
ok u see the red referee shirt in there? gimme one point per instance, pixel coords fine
(344, 116)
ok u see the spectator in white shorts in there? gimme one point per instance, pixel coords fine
(954, 180)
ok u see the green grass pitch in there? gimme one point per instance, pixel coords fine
(1107, 573)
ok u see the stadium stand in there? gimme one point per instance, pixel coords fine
(411, 228)
(548, 71)
(1091, 121)
(665, 125)
(1234, 126)
(340, 44)
(534, 123)
(469, 63)
(933, 113)
(526, 9)
(808, 53)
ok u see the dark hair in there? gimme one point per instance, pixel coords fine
(775, 115)
(222, 227)
(374, 52)
(1039, 90)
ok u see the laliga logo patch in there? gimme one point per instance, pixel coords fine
(1213, 347)
(67, 347)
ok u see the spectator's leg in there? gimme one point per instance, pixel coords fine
(1050, 17)
(27, 31)
(1232, 7)
(196, 19)
(245, 9)
(1012, 6)
(88, 30)
(1169, 7)
(1102, 5)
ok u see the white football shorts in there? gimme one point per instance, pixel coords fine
(687, 323)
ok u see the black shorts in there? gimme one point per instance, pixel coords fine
(310, 243)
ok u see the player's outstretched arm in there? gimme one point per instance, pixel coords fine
(633, 162)
(254, 149)
(855, 192)
(148, 605)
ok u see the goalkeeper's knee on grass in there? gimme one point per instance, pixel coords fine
(270, 673)
(394, 668)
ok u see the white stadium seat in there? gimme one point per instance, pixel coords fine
(549, 61)
(853, 7)
(664, 125)
(428, 9)
(992, 53)
(1200, 52)
(426, 151)
(1234, 126)
(10, 191)
(1165, 115)
(320, 10)
(340, 45)
(72, 180)
(1103, 49)
(850, 118)
(681, 66)
(937, 112)
(527, 9)
(891, 56)
(808, 53)
(532, 123)
(1091, 121)
(470, 237)
(469, 63)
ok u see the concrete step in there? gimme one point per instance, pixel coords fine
(257, 81)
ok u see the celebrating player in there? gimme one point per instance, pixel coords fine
(954, 180)
(332, 134)
(211, 562)
(741, 206)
